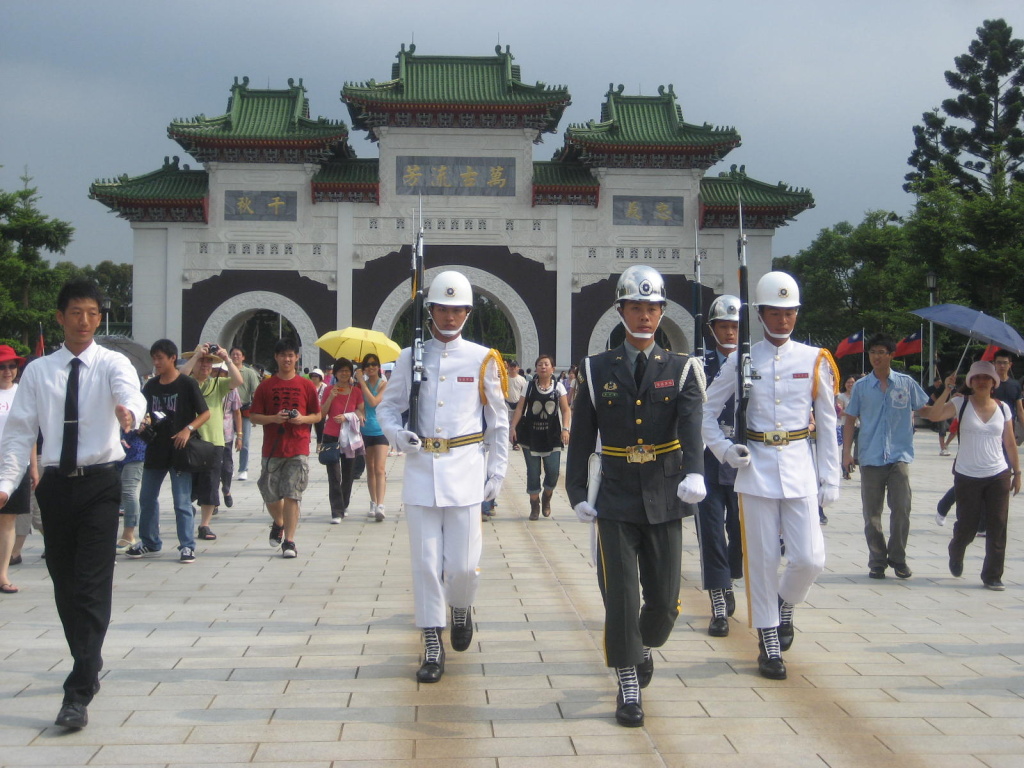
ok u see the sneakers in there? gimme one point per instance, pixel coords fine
(276, 535)
(995, 584)
(187, 555)
(206, 534)
(123, 545)
(337, 517)
(140, 550)
(371, 515)
(378, 513)
(876, 572)
(900, 569)
(288, 549)
(243, 475)
(944, 452)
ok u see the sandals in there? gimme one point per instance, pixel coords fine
(8, 589)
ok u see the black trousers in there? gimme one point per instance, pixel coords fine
(80, 533)
(339, 480)
(719, 537)
(638, 561)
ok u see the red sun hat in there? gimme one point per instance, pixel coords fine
(7, 354)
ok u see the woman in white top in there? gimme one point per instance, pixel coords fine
(987, 466)
(19, 503)
(542, 418)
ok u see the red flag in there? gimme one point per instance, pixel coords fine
(909, 346)
(851, 345)
(990, 353)
(40, 343)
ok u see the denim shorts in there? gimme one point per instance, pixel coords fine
(283, 478)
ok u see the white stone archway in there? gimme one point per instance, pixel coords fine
(677, 324)
(226, 319)
(501, 293)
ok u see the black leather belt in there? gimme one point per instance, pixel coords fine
(92, 469)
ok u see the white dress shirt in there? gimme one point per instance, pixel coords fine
(106, 379)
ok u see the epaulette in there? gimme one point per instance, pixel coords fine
(499, 363)
(824, 354)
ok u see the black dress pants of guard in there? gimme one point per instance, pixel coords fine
(638, 572)
(80, 533)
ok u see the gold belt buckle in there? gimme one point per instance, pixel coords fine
(435, 444)
(640, 454)
(778, 437)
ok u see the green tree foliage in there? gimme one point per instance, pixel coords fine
(976, 135)
(29, 287)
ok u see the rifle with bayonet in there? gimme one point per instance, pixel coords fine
(698, 298)
(417, 326)
(743, 364)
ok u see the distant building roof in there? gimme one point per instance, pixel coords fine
(261, 126)
(167, 194)
(645, 132)
(347, 180)
(455, 92)
(564, 184)
(765, 206)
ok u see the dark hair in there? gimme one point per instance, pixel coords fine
(1004, 353)
(238, 348)
(80, 288)
(369, 357)
(286, 345)
(165, 346)
(544, 356)
(343, 362)
(881, 340)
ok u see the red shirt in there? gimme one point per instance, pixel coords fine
(281, 441)
(340, 404)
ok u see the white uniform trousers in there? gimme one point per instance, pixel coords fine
(445, 545)
(797, 520)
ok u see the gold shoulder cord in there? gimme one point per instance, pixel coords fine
(824, 354)
(494, 355)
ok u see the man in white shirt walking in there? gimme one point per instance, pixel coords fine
(79, 397)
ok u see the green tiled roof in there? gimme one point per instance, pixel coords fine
(551, 174)
(454, 84)
(349, 171)
(764, 205)
(260, 118)
(168, 194)
(646, 125)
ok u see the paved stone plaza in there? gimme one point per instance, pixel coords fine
(245, 657)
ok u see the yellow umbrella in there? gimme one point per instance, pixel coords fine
(354, 343)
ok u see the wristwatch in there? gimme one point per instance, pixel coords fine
(190, 428)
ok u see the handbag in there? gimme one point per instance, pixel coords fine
(198, 455)
(329, 453)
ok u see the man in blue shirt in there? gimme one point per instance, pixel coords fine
(885, 401)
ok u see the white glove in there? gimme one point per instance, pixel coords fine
(691, 489)
(737, 456)
(827, 494)
(409, 442)
(585, 512)
(492, 487)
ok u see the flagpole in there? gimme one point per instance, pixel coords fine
(863, 350)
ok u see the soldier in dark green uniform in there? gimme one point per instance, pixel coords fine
(640, 406)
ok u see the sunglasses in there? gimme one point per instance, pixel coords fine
(8, 366)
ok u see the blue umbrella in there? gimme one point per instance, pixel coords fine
(975, 324)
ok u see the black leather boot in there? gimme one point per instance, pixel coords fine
(787, 631)
(628, 709)
(769, 660)
(719, 626)
(432, 668)
(462, 628)
(645, 669)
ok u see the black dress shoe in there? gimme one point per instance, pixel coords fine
(462, 628)
(773, 669)
(956, 566)
(72, 715)
(901, 570)
(645, 671)
(629, 714)
(730, 602)
(876, 573)
(719, 627)
(995, 585)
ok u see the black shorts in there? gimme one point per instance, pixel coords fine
(20, 502)
(206, 485)
(369, 440)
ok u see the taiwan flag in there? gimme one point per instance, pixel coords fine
(910, 345)
(851, 345)
(40, 343)
(990, 353)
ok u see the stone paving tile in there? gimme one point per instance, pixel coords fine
(310, 662)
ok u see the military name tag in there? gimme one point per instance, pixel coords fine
(801, 375)
(663, 384)
(470, 379)
(609, 394)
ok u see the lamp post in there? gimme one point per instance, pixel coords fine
(932, 281)
(106, 312)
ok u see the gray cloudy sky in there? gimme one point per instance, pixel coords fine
(823, 92)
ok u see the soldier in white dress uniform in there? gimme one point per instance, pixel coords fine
(447, 471)
(780, 480)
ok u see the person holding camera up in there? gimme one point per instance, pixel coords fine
(285, 405)
(174, 410)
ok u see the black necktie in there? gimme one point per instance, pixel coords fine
(69, 449)
(640, 369)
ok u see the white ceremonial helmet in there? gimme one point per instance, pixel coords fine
(777, 289)
(451, 289)
(725, 307)
(640, 283)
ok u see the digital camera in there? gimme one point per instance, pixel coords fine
(293, 413)
(148, 429)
